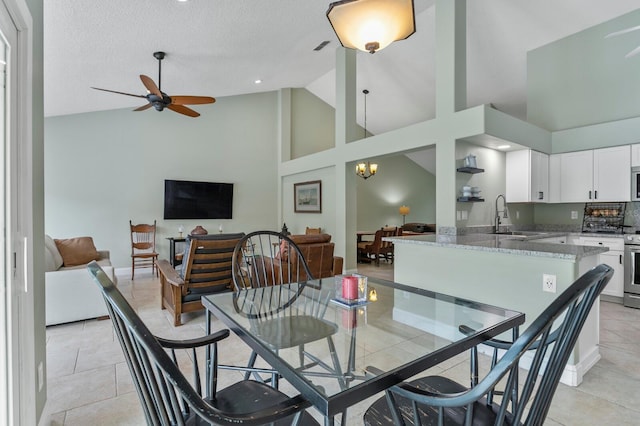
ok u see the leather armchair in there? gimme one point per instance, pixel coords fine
(317, 250)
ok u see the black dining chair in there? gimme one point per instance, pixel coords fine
(269, 273)
(436, 400)
(166, 395)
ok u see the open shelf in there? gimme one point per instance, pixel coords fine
(472, 170)
(470, 199)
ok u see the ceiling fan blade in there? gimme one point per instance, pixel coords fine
(120, 93)
(143, 107)
(628, 30)
(150, 85)
(183, 110)
(192, 100)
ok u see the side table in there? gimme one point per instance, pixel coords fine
(172, 250)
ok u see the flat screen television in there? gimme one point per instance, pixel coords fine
(197, 200)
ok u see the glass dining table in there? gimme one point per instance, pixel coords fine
(326, 348)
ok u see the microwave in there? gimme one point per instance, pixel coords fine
(635, 184)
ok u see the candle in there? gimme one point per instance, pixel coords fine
(220, 229)
(350, 288)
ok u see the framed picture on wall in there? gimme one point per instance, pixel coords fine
(307, 197)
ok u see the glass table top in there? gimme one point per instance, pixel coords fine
(403, 332)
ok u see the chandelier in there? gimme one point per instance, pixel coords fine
(366, 170)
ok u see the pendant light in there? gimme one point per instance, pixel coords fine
(366, 170)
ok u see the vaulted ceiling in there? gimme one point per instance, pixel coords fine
(220, 48)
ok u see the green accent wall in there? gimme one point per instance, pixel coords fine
(585, 78)
(312, 124)
(298, 222)
(399, 181)
(103, 169)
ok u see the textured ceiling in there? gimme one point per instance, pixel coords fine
(219, 48)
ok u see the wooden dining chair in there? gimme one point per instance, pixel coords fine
(143, 247)
(168, 398)
(549, 340)
(378, 249)
(311, 231)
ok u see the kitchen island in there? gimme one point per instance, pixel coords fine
(502, 270)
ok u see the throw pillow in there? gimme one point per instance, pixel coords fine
(77, 251)
(51, 246)
(49, 262)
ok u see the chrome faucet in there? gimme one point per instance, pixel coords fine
(496, 228)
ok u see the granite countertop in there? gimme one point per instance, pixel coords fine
(524, 245)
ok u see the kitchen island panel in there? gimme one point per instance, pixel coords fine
(504, 279)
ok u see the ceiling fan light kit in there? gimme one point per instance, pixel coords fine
(160, 100)
(371, 25)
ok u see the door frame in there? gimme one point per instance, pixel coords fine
(22, 385)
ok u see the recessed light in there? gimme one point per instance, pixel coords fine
(183, 1)
(504, 146)
(258, 81)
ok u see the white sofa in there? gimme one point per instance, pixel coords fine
(71, 294)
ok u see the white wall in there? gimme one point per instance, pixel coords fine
(103, 169)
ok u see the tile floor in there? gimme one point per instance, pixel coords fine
(88, 382)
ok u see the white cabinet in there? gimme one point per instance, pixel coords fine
(635, 155)
(594, 175)
(554, 178)
(527, 176)
(576, 176)
(614, 258)
(611, 167)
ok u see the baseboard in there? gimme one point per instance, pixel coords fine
(126, 272)
(572, 374)
(613, 299)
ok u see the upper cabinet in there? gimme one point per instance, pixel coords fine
(635, 155)
(594, 175)
(527, 177)
(576, 177)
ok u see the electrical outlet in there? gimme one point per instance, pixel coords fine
(549, 283)
(574, 214)
(406, 295)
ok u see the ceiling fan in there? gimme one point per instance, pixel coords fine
(625, 31)
(160, 100)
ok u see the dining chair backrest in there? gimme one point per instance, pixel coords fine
(549, 339)
(265, 258)
(311, 231)
(270, 276)
(387, 231)
(143, 237)
(166, 395)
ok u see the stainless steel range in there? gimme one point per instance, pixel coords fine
(632, 270)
